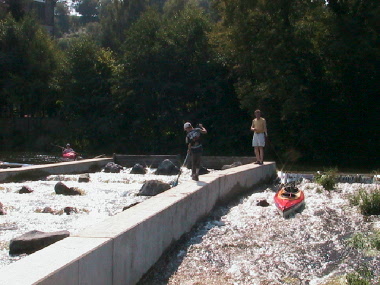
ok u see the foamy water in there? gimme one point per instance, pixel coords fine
(247, 244)
(105, 195)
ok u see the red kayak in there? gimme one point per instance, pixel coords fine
(288, 200)
(70, 155)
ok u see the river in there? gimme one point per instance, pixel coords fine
(239, 243)
(242, 243)
(105, 195)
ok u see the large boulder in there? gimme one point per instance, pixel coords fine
(112, 167)
(167, 167)
(2, 210)
(25, 190)
(138, 169)
(153, 187)
(35, 240)
(62, 189)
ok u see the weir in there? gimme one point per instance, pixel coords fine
(122, 248)
(34, 172)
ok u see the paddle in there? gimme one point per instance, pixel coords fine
(179, 174)
(58, 146)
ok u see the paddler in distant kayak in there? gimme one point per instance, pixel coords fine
(69, 153)
(67, 149)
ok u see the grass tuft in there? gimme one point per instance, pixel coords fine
(328, 179)
(367, 201)
(362, 276)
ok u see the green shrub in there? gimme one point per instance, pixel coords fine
(356, 279)
(328, 179)
(368, 201)
(359, 241)
(375, 241)
(365, 241)
(362, 276)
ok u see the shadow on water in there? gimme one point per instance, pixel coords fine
(172, 258)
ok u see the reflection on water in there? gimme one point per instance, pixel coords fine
(105, 195)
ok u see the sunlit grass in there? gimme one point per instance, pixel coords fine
(328, 179)
(368, 201)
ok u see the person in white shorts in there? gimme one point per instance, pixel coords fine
(259, 129)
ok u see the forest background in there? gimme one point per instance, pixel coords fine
(124, 75)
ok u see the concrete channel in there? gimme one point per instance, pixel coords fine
(122, 248)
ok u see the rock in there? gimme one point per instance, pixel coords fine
(62, 189)
(138, 169)
(130, 206)
(35, 240)
(262, 203)
(235, 164)
(167, 168)
(153, 187)
(112, 167)
(70, 210)
(48, 210)
(84, 178)
(25, 190)
(2, 210)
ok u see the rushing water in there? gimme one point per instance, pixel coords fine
(243, 243)
(240, 243)
(105, 195)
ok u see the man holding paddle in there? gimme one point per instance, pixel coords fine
(193, 139)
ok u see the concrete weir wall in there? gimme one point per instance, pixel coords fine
(122, 248)
(38, 171)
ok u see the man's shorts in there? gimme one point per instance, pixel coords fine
(258, 139)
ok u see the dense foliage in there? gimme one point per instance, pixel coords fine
(126, 74)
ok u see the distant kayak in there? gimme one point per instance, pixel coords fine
(70, 155)
(289, 199)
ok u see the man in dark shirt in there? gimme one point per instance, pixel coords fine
(193, 139)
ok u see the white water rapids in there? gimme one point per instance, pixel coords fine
(105, 195)
(243, 243)
(239, 243)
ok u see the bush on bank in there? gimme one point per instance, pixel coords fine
(328, 179)
(367, 201)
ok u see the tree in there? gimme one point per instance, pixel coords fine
(88, 102)
(170, 76)
(62, 19)
(116, 17)
(29, 61)
(89, 9)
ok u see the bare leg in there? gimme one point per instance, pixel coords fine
(257, 154)
(261, 153)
